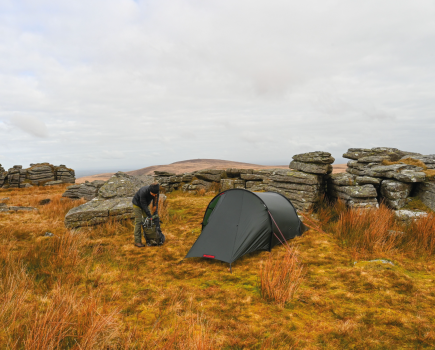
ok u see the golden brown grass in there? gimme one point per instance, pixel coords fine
(430, 173)
(92, 288)
(281, 276)
(410, 161)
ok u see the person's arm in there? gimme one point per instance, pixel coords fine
(144, 205)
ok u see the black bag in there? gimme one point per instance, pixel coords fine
(152, 232)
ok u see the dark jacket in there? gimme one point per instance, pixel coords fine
(143, 199)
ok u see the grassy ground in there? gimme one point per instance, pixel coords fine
(93, 289)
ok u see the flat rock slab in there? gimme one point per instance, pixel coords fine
(312, 168)
(14, 208)
(317, 157)
(407, 215)
(98, 211)
(53, 183)
(295, 176)
(364, 191)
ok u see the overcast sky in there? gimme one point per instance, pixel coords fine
(122, 84)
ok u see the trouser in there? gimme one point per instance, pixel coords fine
(139, 214)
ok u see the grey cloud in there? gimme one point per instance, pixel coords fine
(30, 124)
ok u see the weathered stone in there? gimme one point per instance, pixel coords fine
(392, 154)
(363, 180)
(342, 179)
(44, 201)
(211, 171)
(256, 186)
(89, 190)
(239, 183)
(294, 176)
(299, 201)
(264, 172)
(20, 208)
(197, 185)
(251, 177)
(301, 196)
(53, 183)
(395, 203)
(365, 191)
(425, 191)
(96, 212)
(408, 215)
(187, 177)
(373, 159)
(317, 157)
(146, 179)
(175, 178)
(71, 192)
(312, 168)
(120, 185)
(208, 177)
(356, 153)
(233, 172)
(227, 184)
(295, 186)
(363, 203)
(410, 176)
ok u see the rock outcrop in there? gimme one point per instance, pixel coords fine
(112, 202)
(381, 174)
(36, 174)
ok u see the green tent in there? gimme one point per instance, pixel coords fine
(238, 222)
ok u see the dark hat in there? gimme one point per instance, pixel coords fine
(154, 188)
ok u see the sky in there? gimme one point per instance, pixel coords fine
(107, 85)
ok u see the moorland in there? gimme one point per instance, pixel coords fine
(366, 281)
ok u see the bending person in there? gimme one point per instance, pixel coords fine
(142, 199)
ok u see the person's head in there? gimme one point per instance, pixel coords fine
(154, 189)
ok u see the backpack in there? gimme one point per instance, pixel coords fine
(152, 232)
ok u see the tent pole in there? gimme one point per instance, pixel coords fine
(231, 269)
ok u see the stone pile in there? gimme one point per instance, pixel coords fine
(36, 174)
(381, 174)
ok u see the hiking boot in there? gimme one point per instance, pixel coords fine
(139, 245)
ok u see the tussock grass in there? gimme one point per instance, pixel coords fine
(281, 276)
(367, 233)
(91, 288)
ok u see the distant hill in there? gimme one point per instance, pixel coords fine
(187, 166)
